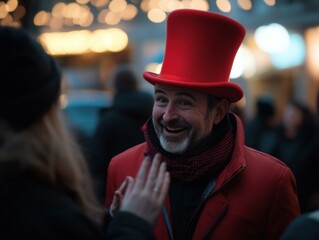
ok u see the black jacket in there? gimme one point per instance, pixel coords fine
(119, 129)
(32, 209)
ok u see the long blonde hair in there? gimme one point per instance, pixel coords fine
(49, 150)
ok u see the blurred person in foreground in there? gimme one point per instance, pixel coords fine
(45, 186)
(304, 227)
(119, 127)
(220, 189)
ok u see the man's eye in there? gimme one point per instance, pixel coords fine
(161, 100)
(184, 103)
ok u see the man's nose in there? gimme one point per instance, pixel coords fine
(170, 113)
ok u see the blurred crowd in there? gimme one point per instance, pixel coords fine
(293, 137)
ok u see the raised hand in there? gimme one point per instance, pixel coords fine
(145, 196)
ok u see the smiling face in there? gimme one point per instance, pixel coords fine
(181, 117)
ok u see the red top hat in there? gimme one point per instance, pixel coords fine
(200, 50)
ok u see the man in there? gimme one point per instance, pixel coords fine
(220, 189)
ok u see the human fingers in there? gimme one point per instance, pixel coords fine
(128, 193)
(122, 187)
(153, 173)
(118, 196)
(116, 202)
(164, 188)
(129, 185)
(142, 173)
(119, 193)
(160, 178)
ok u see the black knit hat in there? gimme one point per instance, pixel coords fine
(30, 79)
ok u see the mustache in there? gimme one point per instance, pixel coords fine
(174, 123)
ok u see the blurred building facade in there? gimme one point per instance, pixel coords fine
(280, 53)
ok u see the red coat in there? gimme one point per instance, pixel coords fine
(254, 196)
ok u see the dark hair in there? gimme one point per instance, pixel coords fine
(124, 79)
(212, 101)
(265, 107)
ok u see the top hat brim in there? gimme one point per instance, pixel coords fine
(227, 90)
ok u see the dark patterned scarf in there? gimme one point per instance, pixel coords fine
(209, 158)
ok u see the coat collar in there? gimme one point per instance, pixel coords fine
(238, 161)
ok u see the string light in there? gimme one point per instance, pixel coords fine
(84, 13)
(11, 13)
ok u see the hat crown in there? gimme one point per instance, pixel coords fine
(200, 49)
(201, 46)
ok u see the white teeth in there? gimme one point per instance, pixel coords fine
(174, 129)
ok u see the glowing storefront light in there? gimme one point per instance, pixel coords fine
(154, 67)
(156, 15)
(84, 41)
(84, 13)
(75, 42)
(82, 1)
(272, 38)
(3, 10)
(245, 4)
(312, 40)
(112, 18)
(294, 54)
(223, 5)
(270, 2)
(41, 18)
(199, 4)
(119, 40)
(12, 5)
(130, 12)
(238, 67)
(117, 5)
(244, 64)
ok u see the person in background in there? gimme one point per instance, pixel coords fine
(306, 226)
(45, 185)
(220, 189)
(297, 146)
(120, 126)
(261, 130)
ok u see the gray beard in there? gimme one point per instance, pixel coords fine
(175, 147)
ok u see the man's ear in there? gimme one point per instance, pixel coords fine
(221, 109)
